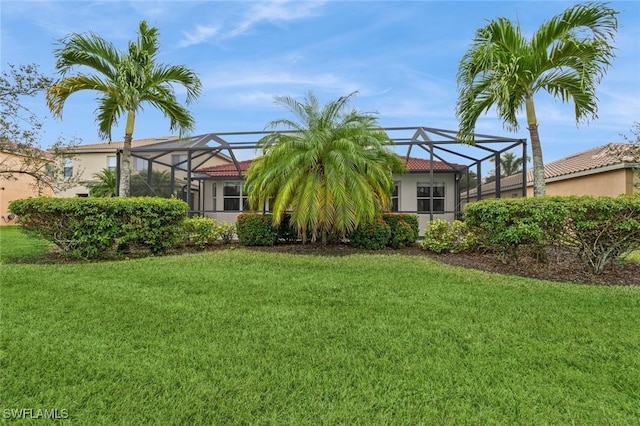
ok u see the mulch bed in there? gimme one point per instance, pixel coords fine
(564, 266)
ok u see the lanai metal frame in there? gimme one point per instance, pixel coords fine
(437, 144)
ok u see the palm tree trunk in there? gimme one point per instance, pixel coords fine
(536, 149)
(125, 168)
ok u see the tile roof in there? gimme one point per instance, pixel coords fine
(414, 165)
(590, 160)
(594, 158)
(226, 170)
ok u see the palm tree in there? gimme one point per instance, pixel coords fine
(510, 164)
(105, 184)
(567, 57)
(159, 185)
(333, 171)
(125, 81)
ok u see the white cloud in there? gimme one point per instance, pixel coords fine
(275, 12)
(200, 35)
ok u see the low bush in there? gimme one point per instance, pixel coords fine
(400, 235)
(598, 230)
(256, 229)
(201, 231)
(443, 236)
(506, 224)
(371, 236)
(87, 227)
(227, 232)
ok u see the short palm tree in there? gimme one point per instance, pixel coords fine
(333, 170)
(159, 185)
(566, 57)
(510, 164)
(125, 81)
(104, 184)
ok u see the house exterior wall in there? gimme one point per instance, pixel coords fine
(15, 189)
(611, 184)
(407, 198)
(86, 164)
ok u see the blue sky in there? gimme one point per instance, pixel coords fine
(402, 58)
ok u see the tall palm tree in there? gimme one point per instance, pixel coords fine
(567, 57)
(333, 171)
(125, 81)
(104, 184)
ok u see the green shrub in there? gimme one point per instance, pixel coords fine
(443, 236)
(506, 224)
(598, 230)
(392, 219)
(256, 229)
(201, 231)
(601, 230)
(88, 227)
(402, 236)
(227, 232)
(371, 236)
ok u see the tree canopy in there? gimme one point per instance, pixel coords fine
(331, 169)
(567, 57)
(126, 81)
(20, 132)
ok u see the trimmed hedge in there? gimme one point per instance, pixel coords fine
(255, 229)
(371, 236)
(443, 236)
(87, 227)
(598, 230)
(203, 231)
(400, 235)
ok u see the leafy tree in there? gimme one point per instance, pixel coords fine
(20, 132)
(104, 185)
(631, 151)
(126, 81)
(333, 171)
(566, 57)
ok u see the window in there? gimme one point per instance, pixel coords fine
(395, 200)
(111, 163)
(424, 193)
(231, 195)
(68, 167)
(140, 164)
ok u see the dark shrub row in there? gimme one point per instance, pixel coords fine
(598, 230)
(392, 230)
(395, 230)
(88, 227)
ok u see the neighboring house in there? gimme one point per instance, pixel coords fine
(147, 155)
(14, 186)
(224, 198)
(600, 171)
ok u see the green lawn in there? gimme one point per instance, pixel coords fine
(244, 337)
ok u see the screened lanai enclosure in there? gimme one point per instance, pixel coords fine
(207, 171)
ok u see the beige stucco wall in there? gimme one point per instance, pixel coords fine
(15, 189)
(611, 184)
(85, 164)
